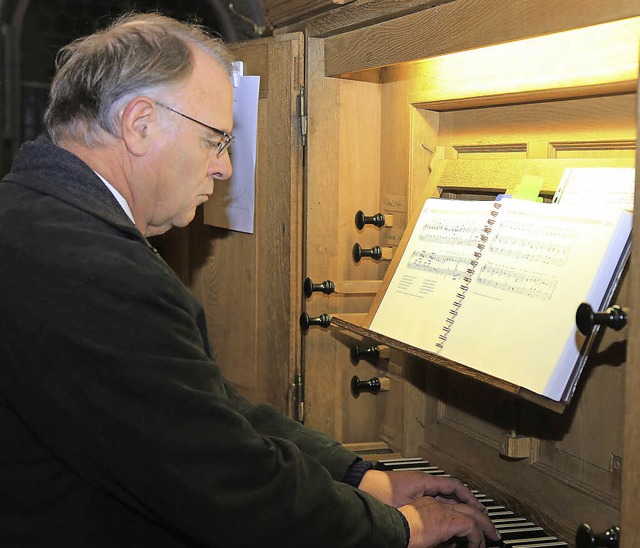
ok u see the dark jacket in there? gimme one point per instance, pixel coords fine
(117, 427)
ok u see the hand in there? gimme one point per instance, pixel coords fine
(403, 487)
(432, 523)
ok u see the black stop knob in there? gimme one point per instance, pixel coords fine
(371, 353)
(362, 219)
(614, 317)
(306, 321)
(358, 252)
(372, 386)
(586, 538)
(327, 287)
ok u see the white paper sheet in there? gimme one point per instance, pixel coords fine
(232, 204)
(609, 187)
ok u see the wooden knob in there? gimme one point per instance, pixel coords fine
(586, 538)
(324, 320)
(327, 287)
(372, 386)
(614, 317)
(376, 220)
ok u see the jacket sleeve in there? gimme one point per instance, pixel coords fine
(129, 399)
(270, 422)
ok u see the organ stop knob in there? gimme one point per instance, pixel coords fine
(357, 353)
(372, 385)
(614, 317)
(586, 538)
(306, 321)
(362, 219)
(358, 252)
(327, 287)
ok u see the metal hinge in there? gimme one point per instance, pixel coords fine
(298, 397)
(302, 114)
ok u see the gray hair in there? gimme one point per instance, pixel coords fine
(96, 76)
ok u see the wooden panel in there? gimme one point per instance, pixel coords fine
(403, 425)
(631, 449)
(622, 148)
(282, 12)
(249, 283)
(319, 350)
(360, 13)
(436, 138)
(459, 26)
(506, 173)
(346, 143)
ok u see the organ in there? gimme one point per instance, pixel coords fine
(369, 107)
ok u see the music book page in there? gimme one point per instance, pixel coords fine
(495, 285)
(598, 186)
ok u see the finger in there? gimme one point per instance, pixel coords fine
(450, 487)
(447, 499)
(480, 518)
(465, 526)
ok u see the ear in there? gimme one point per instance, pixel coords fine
(138, 122)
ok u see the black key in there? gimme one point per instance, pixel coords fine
(522, 532)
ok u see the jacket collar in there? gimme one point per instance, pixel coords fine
(51, 170)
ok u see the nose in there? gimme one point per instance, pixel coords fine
(220, 166)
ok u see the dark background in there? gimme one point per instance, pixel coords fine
(34, 30)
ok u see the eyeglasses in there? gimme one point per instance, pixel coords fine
(224, 142)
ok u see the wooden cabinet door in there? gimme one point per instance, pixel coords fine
(250, 284)
(631, 463)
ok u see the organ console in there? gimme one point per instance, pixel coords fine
(456, 99)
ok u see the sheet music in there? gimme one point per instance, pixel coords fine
(496, 287)
(544, 250)
(432, 269)
(539, 265)
(610, 187)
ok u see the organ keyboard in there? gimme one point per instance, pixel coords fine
(516, 531)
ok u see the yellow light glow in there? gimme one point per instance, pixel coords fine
(599, 59)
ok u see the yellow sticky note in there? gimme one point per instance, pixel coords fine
(528, 188)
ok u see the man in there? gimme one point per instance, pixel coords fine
(117, 427)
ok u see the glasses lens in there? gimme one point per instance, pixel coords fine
(224, 143)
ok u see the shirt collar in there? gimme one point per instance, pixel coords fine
(123, 203)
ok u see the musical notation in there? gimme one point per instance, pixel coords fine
(536, 245)
(520, 282)
(453, 266)
(444, 231)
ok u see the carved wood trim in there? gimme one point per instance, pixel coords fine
(581, 146)
(490, 148)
